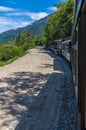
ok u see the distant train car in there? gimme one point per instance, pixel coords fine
(66, 46)
(56, 47)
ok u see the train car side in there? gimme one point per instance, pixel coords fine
(78, 53)
(66, 46)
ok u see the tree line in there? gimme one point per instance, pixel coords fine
(16, 48)
(60, 23)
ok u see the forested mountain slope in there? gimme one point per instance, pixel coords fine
(35, 29)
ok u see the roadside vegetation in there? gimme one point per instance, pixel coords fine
(16, 48)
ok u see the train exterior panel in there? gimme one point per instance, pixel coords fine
(78, 53)
(66, 46)
(66, 55)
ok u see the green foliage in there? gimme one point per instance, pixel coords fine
(25, 40)
(8, 52)
(41, 40)
(16, 48)
(60, 24)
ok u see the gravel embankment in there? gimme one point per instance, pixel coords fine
(37, 93)
(55, 106)
(20, 83)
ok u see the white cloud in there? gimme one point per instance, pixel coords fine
(12, 23)
(33, 16)
(16, 14)
(6, 9)
(37, 16)
(7, 24)
(52, 8)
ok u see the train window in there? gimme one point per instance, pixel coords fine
(66, 47)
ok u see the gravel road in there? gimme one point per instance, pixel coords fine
(20, 83)
(32, 91)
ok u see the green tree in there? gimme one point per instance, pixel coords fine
(16, 48)
(41, 40)
(25, 40)
(9, 51)
(60, 24)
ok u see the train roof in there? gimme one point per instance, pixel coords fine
(65, 42)
(58, 40)
(84, 7)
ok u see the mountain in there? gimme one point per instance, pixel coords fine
(35, 29)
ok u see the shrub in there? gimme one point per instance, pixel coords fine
(8, 52)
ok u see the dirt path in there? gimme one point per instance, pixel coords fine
(20, 83)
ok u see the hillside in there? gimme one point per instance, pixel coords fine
(35, 29)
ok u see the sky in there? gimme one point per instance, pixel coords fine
(19, 13)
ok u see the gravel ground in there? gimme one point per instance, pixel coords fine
(37, 93)
(20, 83)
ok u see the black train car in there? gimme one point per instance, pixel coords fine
(78, 55)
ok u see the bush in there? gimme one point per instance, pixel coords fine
(8, 52)
(16, 48)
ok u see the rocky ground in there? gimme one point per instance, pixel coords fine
(37, 93)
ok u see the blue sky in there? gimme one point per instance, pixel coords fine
(19, 13)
